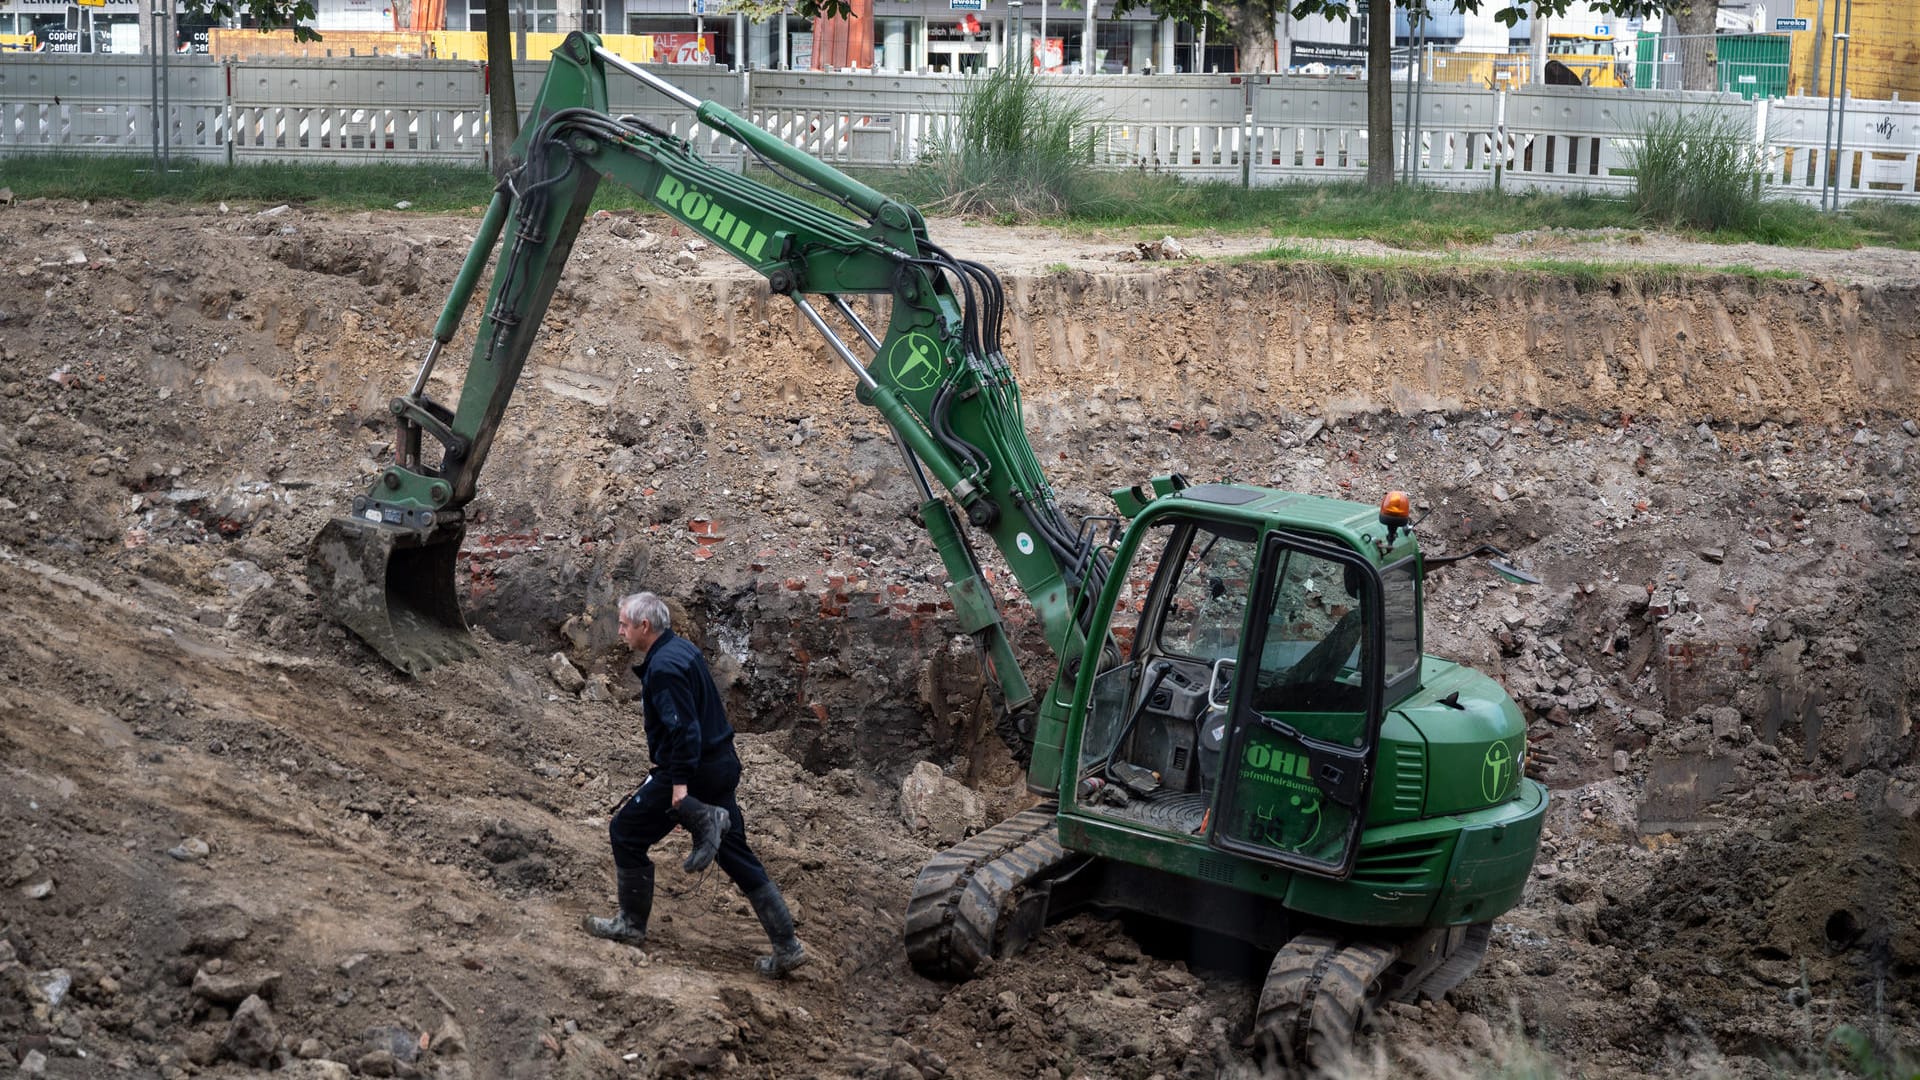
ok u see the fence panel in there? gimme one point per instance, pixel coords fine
(1456, 135)
(1193, 125)
(1879, 150)
(105, 104)
(1580, 139)
(359, 111)
(629, 96)
(856, 118)
(1309, 130)
(1750, 65)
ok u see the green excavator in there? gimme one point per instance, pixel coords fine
(1242, 732)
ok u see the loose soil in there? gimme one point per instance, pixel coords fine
(211, 792)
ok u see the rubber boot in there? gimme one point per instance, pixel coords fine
(788, 953)
(634, 886)
(707, 824)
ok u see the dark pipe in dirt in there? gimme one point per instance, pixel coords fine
(394, 588)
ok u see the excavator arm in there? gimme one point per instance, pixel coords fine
(938, 377)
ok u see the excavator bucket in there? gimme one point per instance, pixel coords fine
(394, 589)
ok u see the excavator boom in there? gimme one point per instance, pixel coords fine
(937, 375)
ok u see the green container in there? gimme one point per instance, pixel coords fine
(1753, 65)
(1646, 55)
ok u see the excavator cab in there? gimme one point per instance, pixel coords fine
(1246, 710)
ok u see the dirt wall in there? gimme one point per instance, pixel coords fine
(1299, 338)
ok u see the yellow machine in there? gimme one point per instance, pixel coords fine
(1588, 56)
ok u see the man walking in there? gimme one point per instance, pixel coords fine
(695, 772)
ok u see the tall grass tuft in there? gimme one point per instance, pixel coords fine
(1018, 149)
(1698, 170)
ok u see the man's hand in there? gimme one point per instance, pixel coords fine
(679, 792)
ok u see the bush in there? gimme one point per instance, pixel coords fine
(1697, 169)
(1017, 149)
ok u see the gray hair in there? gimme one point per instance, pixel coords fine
(648, 608)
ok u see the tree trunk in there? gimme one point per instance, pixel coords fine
(503, 115)
(1698, 70)
(1380, 95)
(1253, 35)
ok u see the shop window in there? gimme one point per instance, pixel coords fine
(544, 16)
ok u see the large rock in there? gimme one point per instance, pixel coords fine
(931, 800)
(450, 1039)
(242, 578)
(231, 988)
(252, 1036)
(565, 675)
(1903, 798)
(318, 1069)
(587, 1058)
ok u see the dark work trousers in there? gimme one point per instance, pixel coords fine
(648, 816)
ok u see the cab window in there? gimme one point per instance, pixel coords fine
(1400, 612)
(1207, 602)
(1316, 631)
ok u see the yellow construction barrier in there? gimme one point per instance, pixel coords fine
(437, 44)
(279, 44)
(1504, 71)
(472, 45)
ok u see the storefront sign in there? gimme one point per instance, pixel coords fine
(1332, 54)
(683, 48)
(967, 5)
(967, 27)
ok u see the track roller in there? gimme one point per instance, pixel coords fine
(1319, 994)
(985, 897)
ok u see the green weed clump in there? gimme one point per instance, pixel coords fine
(1018, 149)
(1697, 170)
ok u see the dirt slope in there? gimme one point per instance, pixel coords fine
(1721, 669)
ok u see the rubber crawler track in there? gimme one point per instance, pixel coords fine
(961, 896)
(1319, 992)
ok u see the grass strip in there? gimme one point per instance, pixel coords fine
(1147, 205)
(1431, 273)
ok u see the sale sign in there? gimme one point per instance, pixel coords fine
(1049, 54)
(683, 48)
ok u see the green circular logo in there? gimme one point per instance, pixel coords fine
(1308, 817)
(1497, 772)
(915, 362)
(1289, 825)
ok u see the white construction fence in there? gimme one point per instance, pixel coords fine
(1246, 129)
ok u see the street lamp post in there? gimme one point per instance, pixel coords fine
(1016, 48)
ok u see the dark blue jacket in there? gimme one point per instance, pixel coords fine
(686, 725)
